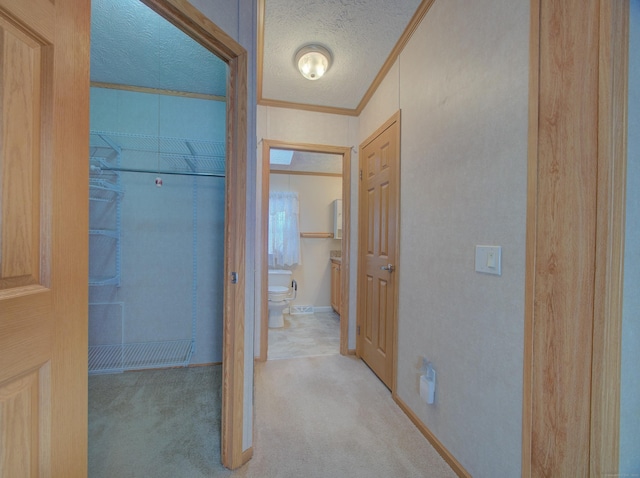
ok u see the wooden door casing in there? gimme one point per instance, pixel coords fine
(379, 228)
(44, 134)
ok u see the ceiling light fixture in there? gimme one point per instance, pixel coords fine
(313, 61)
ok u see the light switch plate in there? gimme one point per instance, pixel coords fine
(489, 259)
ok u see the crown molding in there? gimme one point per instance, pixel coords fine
(418, 16)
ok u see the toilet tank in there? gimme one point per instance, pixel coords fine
(279, 277)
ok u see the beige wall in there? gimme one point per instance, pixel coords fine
(316, 195)
(296, 126)
(462, 86)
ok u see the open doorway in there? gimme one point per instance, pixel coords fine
(167, 159)
(340, 275)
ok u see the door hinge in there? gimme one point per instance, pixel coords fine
(234, 277)
(358, 329)
(361, 175)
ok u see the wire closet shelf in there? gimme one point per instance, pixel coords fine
(189, 157)
(171, 156)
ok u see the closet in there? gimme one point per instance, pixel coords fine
(154, 179)
(156, 193)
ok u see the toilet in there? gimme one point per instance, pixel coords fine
(280, 294)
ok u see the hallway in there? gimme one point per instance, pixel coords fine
(319, 416)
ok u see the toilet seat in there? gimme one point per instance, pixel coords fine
(277, 293)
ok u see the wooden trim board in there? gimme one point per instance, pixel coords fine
(304, 173)
(446, 455)
(415, 21)
(184, 16)
(530, 257)
(607, 329)
(267, 145)
(157, 91)
(561, 237)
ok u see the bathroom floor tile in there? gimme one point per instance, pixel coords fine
(305, 335)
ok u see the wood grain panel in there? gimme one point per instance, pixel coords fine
(383, 316)
(157, 91)
(19, 426)
(383, 220)
(563, 244)
(369, 308)
(24, 419)
(44, 123)
(20, 169)
(372, 165)
(607, 330)
(384, 156)
(371, 236)
(38, 16)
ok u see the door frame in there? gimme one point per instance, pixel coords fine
(267, 146)
(191, 21)
(610, 234)
(554, 442)
(393, 120)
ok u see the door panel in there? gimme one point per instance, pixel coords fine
(25, 417)
(378, 250)
(20, 100)
(44, 86)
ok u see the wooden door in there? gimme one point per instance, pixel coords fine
(378, 256)
(44, 131)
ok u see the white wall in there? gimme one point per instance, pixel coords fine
(316, 195)
(298, 126)
(630, 380)
(462, 86)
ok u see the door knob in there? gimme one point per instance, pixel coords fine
(388, 267)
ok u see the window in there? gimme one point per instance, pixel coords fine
(284, 233)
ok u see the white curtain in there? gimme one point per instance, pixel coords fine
(284, 233)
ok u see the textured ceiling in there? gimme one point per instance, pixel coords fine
(132, 45)
(359, 33)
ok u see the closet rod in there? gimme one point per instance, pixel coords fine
(155, 171)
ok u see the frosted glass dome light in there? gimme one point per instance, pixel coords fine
(313, 61)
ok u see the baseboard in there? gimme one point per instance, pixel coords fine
(351, 352)
(323, 309)
(209, 364)
(247, 454)
(439, 447)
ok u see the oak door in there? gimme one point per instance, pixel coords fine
(379, 203)
(44, 131)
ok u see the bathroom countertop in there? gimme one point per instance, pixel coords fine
(336, 259)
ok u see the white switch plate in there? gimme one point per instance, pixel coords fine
(489, 259)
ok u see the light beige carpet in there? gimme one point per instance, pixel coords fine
(326, 417)
(317, 417)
